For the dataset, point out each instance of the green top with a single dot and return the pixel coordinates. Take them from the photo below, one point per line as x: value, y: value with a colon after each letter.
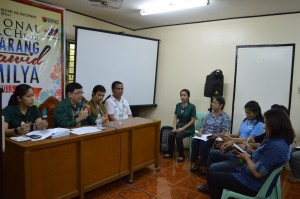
x: 184, y: 115
x: 14, y: 117
x: 94, y: 111
x: 65, y: 114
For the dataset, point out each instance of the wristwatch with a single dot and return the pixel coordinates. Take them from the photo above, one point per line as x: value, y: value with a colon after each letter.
x: 16, y: 131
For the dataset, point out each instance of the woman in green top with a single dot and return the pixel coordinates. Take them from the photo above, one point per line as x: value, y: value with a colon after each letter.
x: 95, y: 103
x: 183, y: 125
x: 20, y: 114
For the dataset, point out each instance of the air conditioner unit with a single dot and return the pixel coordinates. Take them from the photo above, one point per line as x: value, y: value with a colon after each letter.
x: 114, y: 4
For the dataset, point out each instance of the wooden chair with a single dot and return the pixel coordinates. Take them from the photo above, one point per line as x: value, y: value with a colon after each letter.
x: 49, y: 105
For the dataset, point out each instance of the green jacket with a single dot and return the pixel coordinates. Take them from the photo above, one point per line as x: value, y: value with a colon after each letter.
x: 65, y: 114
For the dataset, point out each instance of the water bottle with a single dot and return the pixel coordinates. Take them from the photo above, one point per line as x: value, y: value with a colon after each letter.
x: 121, y: 118
x: 98, y: 122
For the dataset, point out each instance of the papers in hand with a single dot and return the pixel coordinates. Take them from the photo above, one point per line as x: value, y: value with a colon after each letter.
x: 85, y: 130
x: 204, y: 137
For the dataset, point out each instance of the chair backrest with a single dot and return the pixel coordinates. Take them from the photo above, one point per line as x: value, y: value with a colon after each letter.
x: 200, y: 119
x: 266, y: 190
x: 49, y: 105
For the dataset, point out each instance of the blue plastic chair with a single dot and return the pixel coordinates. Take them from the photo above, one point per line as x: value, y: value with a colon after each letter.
x: 263, y: 192
x: 200, y: 118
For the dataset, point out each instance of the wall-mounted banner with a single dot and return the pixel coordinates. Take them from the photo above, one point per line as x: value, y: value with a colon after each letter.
x: 32, y: 44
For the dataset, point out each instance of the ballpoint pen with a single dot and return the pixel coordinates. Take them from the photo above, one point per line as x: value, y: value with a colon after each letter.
x: 248, y: 139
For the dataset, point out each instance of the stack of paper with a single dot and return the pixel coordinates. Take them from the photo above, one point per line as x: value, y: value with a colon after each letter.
x: 85, y: 130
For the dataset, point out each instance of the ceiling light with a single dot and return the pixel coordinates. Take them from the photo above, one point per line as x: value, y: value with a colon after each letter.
x: 172, y: 6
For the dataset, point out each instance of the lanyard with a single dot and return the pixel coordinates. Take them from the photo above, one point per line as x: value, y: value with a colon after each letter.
x: 121, y: 110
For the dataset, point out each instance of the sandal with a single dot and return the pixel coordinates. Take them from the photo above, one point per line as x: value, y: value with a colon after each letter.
x: 203, y: 188
x: 180, y: 159
x: 294, y: 180
x: 167, y: 156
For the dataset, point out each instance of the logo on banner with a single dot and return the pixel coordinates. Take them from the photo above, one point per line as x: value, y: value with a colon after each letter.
x: 49, y: 20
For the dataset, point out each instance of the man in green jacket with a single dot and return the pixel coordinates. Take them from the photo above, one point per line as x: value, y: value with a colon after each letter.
x: 72, y: 111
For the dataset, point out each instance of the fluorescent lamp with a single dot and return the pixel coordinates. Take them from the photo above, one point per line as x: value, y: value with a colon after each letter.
x: 173, y: 6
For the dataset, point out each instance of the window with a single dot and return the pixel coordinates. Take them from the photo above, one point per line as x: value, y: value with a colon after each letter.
x: 70, y: 62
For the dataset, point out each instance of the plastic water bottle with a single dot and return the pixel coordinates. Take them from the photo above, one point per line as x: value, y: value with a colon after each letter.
x: 121, y: 118
x: 98, y: 122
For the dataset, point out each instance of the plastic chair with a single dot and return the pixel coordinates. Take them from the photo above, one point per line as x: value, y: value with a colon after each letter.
x: 264, y: 190
x: 200, y: 118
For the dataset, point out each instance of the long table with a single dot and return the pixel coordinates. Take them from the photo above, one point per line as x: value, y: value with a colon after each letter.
x: 69, y: 166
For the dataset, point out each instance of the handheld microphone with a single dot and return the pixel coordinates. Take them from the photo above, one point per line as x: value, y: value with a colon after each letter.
x: 44, y: 114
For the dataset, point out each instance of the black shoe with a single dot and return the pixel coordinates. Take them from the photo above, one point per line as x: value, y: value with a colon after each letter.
x: 193, y: 170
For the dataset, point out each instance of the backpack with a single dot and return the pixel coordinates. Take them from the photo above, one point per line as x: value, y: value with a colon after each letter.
x: 164, y: 135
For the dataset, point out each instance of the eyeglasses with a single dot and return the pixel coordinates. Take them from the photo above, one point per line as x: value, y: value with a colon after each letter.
x: 79, y: 93
x: 215, y: 103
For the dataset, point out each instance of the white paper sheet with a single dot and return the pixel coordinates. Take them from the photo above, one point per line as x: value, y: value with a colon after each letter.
x: 20, y: 138
x: 85, y: 130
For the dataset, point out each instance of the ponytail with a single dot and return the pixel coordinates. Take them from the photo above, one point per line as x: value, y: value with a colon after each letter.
x: 20, y: 91
x: 13, y: 100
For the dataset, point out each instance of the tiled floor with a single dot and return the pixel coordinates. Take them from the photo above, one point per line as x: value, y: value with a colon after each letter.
x: 173, y: 181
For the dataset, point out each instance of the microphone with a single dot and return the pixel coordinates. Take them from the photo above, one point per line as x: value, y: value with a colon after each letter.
x: 87, y: 107
x: 44, y: 114
x: 103, y: 102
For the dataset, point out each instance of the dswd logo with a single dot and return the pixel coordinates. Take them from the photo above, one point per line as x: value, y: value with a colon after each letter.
x: 46, y: 19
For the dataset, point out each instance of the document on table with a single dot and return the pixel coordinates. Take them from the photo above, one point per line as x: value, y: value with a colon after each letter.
x: 204, y: 137
x: 85, y: 130
x: 47, y: 133
x: 20, y: 138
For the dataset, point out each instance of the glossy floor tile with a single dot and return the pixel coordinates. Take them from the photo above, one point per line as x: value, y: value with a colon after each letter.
x: 173, y: 181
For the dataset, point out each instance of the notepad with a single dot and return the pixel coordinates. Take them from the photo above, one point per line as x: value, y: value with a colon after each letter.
x: 204, y: 137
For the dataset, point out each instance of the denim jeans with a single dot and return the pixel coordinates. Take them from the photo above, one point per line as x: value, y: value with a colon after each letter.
x: 222, y: 162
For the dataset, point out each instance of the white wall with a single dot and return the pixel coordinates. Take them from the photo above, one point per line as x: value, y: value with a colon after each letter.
x: 190, y: 52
